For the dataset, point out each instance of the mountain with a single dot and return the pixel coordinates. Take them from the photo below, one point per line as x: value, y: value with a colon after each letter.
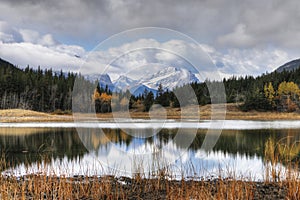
x: 169, y: 77
x: 290, y: 66
x: 104, y: 79
x: 123, y: 82
x: 139, y: 90
x: 8, y: 66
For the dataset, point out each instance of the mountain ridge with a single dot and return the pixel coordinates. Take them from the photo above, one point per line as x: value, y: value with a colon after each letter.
x: 289, y: 66
x: 170, y: 77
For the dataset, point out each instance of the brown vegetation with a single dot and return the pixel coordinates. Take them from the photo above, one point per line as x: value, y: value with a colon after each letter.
x: 42, y: 186
x: 232, y: 112
x: 20, y: 115
x: 52, y: 187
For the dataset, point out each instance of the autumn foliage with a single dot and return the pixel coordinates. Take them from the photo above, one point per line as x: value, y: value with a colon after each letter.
x: 102, y: 101
x: 286, y: 98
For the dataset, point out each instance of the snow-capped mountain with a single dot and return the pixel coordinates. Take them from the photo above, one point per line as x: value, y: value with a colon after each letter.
x: 140, y: 89
x: 169, y: 77
x: 104, y: 79
x: 123, y: 82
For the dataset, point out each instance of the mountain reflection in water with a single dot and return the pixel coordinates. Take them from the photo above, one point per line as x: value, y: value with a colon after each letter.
x: 240, y: 150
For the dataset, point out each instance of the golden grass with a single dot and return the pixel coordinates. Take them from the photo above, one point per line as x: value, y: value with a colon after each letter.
x: 52, y: 187
x: 42, y: 186
x: 19, y: 115
x: 232, y: 112
x: 22, y: 131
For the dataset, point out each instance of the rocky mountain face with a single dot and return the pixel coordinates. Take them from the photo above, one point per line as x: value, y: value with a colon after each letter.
x: 169, y: 77
x: 290, y: 66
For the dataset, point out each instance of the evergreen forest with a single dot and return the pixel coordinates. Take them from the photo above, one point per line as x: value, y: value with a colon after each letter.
x: 50, y: 91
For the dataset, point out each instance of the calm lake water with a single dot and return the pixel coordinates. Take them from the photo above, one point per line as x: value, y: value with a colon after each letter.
x: 63, y: 151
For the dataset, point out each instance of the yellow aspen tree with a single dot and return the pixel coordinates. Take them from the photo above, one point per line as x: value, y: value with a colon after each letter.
x: 269, y: 92
x: 288, y: 88
x: 289, y: 95
x: 96, y: 95
x: 105, y: 97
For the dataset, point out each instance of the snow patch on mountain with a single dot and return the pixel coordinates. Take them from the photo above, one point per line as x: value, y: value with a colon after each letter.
x: 169, y: 77
x: 140, y: 89
x: 124, y: 82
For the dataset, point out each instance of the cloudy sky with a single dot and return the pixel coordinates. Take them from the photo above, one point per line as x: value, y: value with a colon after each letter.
x: 241, y: 37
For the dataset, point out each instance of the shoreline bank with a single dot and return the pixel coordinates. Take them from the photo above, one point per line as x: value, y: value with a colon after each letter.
x: 110, y: 187
x: 232, y: 112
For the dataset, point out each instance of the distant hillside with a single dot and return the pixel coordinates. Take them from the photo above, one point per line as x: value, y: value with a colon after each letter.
x: 290, y: 66
x: 8, y: 66
x: 39, y: 90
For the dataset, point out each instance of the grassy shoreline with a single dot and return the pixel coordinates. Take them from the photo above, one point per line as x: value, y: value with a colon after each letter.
x: 109, y: 187
x: 232, y: 113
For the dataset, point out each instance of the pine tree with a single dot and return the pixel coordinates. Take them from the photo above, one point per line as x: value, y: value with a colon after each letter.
x: 148, y: 101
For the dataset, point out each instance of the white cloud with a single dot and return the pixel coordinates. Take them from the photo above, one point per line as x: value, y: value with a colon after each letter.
x: 47, y: 40
x: 23, y: 54
x: 72, y: 50
x: 250, y: 61
x: 239, y: 37
x: 165, y: 56
x: 6, y: 37
x: 137, y: 57
x: 27, y: 47
x: 35, y: 38
x: 243, y: 37
x: 8, y: 33
x: 207, y: 48
x: 30, y: 35
x: 225, y: 23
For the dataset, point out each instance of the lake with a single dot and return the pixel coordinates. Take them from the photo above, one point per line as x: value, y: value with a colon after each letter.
x: 92, y: 148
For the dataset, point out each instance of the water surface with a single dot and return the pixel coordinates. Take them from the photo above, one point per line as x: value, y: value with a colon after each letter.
x: 62, y: 151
